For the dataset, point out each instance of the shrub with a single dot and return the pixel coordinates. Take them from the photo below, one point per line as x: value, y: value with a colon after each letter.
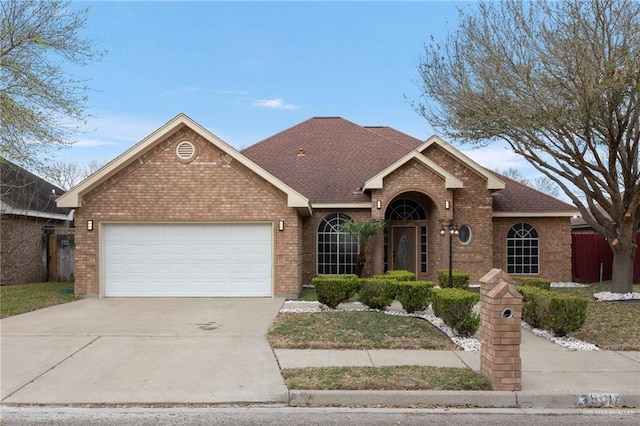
x: 558, y: 313
x: 401, y: 275
x: 455, y: 307
x: 414, y: 295
x: 459, y: 279
x: 567, y: 313
x: 335, y: 289
x: 376, y: 293
x: 542, y: 283
x: 535, y: 305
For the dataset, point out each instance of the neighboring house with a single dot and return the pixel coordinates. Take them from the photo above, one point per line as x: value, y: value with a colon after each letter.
x: 592, y: 258
x: 29, y: 223
x: 184, y: 214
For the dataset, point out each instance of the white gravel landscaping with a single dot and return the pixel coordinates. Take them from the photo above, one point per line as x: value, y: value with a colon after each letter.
x: 470, y: 343
x: 567, y: 342
x: 607, y: 296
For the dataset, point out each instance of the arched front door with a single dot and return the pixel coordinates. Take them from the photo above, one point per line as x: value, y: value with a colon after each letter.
x: 406, y: 236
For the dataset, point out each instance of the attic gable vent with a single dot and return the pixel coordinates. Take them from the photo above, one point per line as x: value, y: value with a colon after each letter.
x: 186, y: 151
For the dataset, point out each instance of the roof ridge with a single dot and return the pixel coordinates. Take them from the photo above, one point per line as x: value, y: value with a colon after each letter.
x: 369, y: 128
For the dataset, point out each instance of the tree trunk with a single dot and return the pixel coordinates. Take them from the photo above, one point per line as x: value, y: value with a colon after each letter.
x: 624, y: 250
x: 360, y: 265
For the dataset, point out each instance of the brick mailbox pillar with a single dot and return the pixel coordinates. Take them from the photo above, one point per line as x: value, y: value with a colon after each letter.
x: 500, y: 332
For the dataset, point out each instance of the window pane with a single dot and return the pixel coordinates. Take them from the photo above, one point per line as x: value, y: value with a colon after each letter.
x: 522, y: 249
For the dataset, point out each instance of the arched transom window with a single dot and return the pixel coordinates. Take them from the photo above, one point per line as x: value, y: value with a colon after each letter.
x: 337, y: 250
x: 523, y: 253
x: 404, y: 209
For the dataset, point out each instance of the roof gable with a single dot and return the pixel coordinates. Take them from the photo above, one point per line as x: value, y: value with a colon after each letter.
x: 493, y: 182
x: 24, y: 193
x: 73, y: 198
x: 377, y: 182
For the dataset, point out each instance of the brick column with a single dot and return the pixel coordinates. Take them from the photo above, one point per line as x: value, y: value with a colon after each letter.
x: 500, y: 331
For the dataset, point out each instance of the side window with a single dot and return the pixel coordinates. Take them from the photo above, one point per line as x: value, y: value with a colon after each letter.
x: 523, y: 249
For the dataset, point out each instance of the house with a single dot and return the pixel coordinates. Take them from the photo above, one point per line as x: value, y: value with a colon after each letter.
x: 29, y: 222
x: 183, y: 214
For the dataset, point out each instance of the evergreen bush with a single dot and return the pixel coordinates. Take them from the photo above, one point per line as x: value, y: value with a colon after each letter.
x: 414, y: 295
x: 455, y: 307
x: 459, y: 279
x: 376, y: 292
x: 335, y: 289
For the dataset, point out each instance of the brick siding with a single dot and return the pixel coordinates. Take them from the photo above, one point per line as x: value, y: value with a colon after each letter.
x: 158, y: 187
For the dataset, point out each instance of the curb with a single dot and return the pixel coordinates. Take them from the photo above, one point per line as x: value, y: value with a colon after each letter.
x: 482, y: 399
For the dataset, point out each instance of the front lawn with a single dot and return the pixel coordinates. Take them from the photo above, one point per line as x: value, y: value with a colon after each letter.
x: 355, y: 330
x: 20, y: 298
x: 385, y: 378
x: 609, y: 325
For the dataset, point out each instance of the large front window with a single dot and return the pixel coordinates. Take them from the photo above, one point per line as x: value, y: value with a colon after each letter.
x: 522, y: 249
x: 337, y: 250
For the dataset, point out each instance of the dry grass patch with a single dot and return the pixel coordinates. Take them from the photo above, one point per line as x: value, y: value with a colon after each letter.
x: 384, y: 378
x: 612, y: 325
x: 355, y: 330
x: 609, y: 325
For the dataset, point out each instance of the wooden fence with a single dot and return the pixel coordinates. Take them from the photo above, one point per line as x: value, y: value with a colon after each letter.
x: 591, y: 255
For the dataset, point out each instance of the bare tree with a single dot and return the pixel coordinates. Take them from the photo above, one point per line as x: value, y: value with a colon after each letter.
x: 67, y: 174
x: 559, y: 82
x: 540, y: 183
x: 41, y: 103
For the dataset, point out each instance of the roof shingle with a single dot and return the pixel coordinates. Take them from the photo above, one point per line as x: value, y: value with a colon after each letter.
x: 339, y: 156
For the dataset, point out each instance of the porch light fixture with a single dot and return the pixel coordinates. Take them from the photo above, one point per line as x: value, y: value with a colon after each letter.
x: 447, y: 205
x: 90, y: 225
x: 452, y: 230
x: 281, y: 225
x: 379, y: 204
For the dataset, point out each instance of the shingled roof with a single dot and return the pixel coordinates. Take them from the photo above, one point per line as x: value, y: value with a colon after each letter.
x: 519, y: 198
x: 24, y: 193
x: 328, y: 159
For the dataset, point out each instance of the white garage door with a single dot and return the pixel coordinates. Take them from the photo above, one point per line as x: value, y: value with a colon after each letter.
x: 187, y: 260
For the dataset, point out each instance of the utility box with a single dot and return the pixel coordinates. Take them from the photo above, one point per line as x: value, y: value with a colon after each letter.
x: 500, y: 331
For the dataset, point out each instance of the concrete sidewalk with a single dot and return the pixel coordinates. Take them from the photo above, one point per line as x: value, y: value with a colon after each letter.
x: 552, y: 376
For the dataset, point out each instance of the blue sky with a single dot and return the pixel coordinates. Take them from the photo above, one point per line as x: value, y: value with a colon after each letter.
x: 247, y: 70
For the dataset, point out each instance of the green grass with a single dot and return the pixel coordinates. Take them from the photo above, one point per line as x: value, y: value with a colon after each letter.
x: 384, y: 378
x: 355, y: 330
x: 20, y: 298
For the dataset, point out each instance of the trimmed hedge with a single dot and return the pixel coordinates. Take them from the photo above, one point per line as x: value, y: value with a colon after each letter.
x: 335, y: 289
x: 542, y: 283
x: 455, y: 307
x: 459, y: 279
x: 376, y: 293
x: 401, y: 275
x: 559, y: 313
x: 534, y: 305
x: 414, y: 295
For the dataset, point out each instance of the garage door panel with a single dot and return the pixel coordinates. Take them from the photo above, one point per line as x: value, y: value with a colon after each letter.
x: 187, y: 260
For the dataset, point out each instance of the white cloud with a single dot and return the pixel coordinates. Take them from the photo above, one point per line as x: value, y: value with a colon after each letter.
x: 92, y: 143
x: 277, y: 103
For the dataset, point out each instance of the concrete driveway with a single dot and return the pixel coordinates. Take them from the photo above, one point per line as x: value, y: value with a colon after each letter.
x: 142, y: 351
